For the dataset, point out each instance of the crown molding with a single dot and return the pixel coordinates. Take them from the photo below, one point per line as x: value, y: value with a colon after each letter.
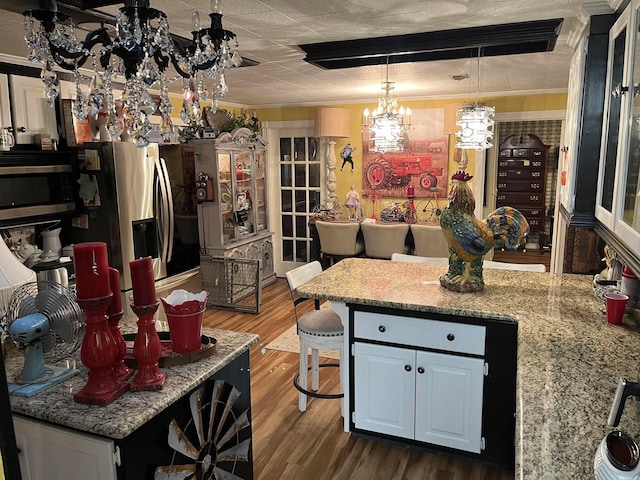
x: 585, y: 12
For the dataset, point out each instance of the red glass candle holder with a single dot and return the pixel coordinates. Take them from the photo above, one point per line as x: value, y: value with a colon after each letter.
x: 98, y: 353
x: 146, y: 350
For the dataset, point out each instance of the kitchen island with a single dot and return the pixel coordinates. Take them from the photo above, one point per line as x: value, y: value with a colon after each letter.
x: 135, y: 427
x: 569, y: 359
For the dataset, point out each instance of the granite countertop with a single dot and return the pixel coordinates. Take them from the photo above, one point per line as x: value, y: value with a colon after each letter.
x: 132, y: 410
x: 569, y: 358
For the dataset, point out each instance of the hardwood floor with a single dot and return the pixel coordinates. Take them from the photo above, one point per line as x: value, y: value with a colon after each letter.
x: 288, y: 444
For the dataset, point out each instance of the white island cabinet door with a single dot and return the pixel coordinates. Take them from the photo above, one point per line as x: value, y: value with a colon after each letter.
x: 449, y: 400
x: 384, y: 389
x: 48, y: 452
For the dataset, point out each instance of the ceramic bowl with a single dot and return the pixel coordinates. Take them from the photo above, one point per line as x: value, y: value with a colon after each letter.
x: 182, y: 302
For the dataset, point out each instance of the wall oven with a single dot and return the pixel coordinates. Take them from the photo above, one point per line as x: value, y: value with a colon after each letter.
x: 37, y: 186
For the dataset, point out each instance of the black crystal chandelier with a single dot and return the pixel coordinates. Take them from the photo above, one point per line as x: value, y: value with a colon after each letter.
x: 140, y: 52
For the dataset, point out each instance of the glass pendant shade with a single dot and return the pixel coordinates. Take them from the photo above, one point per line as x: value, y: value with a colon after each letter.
x: 476, y: 127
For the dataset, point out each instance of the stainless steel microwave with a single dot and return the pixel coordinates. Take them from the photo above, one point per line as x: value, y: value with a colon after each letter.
x: 37, y: 186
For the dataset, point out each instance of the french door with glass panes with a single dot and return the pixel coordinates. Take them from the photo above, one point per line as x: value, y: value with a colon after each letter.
x: 300, y: 179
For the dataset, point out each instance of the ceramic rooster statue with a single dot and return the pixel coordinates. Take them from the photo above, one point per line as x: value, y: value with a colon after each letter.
x: 470, y: 239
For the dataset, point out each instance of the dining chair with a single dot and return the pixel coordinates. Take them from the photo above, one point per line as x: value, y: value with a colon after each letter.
x: 319, y: 329
x: 526, y: 267
x: 338, y: 240
x: 429, y: 241
x: 381, y: 240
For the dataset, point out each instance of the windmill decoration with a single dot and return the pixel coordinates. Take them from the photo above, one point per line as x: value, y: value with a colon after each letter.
x: 210, y: 441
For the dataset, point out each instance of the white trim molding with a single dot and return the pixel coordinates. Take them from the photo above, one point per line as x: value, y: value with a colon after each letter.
x: 532, y: 115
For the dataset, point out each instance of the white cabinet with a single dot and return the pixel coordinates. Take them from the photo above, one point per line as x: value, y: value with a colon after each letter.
x: 618, y: 195
x: 5, y: 107
x: 48, y: 452
x: 384, y: 390
x: 427, y: 396
x: 232, y: 213
x: 449, y: 392
x: 30, y: 109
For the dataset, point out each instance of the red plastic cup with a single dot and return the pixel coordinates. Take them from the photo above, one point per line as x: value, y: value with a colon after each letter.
x: 616, y: 304
x: 185, y: 331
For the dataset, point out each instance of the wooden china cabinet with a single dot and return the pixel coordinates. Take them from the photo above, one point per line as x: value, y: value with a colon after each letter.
x: 232, y: 209
x: 522, y: 173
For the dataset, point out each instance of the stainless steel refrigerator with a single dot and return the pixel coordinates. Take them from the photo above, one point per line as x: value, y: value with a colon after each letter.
x: 132, y: 211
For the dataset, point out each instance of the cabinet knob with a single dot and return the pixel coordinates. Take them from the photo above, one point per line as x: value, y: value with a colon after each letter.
x: 382, y: 329
x: 619, y: 90
x: 451, y: 337
x: 420, y: 369
x: 407, y: 368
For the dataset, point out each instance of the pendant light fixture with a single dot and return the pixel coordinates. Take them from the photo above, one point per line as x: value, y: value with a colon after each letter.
x: 387, y: 122
x: 475, y: 122
x: 140, y: 52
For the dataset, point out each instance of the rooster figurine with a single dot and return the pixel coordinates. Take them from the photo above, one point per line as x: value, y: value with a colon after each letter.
x: 470, y: 239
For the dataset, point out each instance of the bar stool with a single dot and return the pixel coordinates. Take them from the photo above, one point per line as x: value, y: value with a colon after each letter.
x: 526, y: 267
x: 401, y: 257
x: 320, y: 329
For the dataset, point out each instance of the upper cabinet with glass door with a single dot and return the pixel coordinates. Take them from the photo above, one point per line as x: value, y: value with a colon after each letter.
x: 618, y: 206
x: 614, y: 112
x: 627, y: 218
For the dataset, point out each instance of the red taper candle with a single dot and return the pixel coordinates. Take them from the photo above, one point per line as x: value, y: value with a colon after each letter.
x: 116, y: 301
x: 91, y: 266
x: 143, y: 281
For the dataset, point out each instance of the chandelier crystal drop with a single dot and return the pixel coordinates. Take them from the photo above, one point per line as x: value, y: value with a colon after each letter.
x: 387, y: 122
x: 140, y: 52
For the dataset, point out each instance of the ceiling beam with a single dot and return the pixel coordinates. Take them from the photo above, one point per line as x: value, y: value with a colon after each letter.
x: 505, y: 39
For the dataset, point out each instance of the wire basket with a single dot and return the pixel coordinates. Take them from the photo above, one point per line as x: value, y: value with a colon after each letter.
x: 232, y: 283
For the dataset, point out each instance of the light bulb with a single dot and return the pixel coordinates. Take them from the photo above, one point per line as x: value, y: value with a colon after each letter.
x: 215, y: 6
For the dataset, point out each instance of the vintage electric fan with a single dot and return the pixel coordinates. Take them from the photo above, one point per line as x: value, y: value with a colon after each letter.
x: 47, y: 324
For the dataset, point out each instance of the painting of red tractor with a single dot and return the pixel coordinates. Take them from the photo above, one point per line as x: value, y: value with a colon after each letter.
x: 419, y: 172
x: 424, y: 165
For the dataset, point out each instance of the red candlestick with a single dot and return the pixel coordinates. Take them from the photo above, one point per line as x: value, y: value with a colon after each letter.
x: 143, y: 281
x: 92, y: 270
x: 146, y: 350
x: 114, y: 314
x: 116, y: 301
x: 98, y: 354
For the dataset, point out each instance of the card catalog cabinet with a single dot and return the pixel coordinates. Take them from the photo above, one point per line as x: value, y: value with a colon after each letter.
x: 522, y: 172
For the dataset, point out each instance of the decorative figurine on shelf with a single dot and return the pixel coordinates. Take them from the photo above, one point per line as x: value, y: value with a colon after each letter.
x: 353, y: 204
x: 470, y: 239
x: 346, y: 156
x: 353, y: 198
